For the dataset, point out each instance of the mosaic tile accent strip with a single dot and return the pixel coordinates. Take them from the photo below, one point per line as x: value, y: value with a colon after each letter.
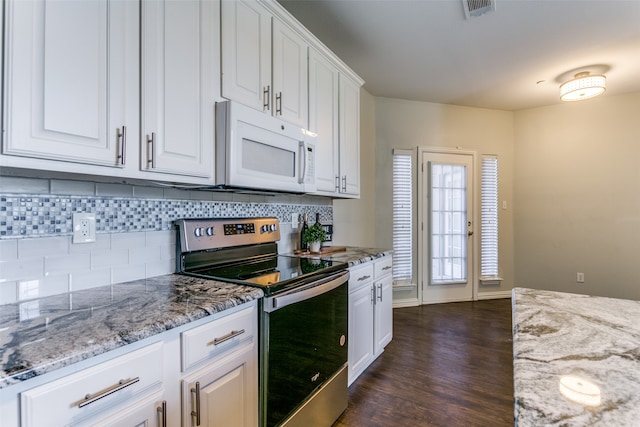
x: 50, y: 215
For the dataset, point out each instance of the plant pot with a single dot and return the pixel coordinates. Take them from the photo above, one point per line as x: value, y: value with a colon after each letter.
x: 314, y: 246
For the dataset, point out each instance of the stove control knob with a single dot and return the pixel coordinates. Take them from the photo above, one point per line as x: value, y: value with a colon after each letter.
x: 198, y: 231
x: 273, y: 227
x: 210, y: 231
x: 264, y: 228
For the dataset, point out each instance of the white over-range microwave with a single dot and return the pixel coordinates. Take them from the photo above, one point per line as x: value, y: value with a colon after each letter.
x: 260, y: 152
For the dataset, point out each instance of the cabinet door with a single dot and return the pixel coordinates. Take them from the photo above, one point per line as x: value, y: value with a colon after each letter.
x: 290, y: 98
x: 246, y: 53
x: 383, y: 319
x: 360, y: 331
x: 349, y: 138
x: 147, y: 412
x: 178, y: 48
x: 323, y: 120
x: 71, y: 67
x: 224, y: 394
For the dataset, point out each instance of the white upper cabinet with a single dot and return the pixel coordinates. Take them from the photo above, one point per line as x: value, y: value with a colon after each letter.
x: 178, y: 92
x: 70, y: 66
x: 323, y: 120
x: 76, y: 95
x: 290, y: 98
x: 255, y: 42
x: 349, y: 138
x: 334, y: 114
x: 246, y: 53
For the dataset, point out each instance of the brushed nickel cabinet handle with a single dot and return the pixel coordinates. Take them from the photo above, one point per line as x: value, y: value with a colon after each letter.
x: 90, y: 398
x: 151, y: 150
x: 344, y: 183
x: 162, y: 413
x: 363, y: 277
x: 227, y: 337
x: 373, y: 295
x: 387, y: 267
x: 337, y: 183
x: 379, y: 291
x: 279, y: 103
x: 122, y: 140
x: 196, y: 413
x: 265, y: 98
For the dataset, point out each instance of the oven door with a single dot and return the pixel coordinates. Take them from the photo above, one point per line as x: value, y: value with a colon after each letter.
x: 304, y: 344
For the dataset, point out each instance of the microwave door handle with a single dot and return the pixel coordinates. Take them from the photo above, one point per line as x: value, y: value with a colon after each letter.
x: 303, y: 161
x: 277, y: 302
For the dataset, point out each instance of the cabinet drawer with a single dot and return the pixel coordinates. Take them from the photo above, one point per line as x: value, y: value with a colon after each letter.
x: 360, y: 276
x: 72, y: 399
x: 224, y: 334
x: 383, y: 267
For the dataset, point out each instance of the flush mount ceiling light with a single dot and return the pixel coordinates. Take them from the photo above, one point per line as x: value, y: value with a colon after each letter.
x: 583, y: 86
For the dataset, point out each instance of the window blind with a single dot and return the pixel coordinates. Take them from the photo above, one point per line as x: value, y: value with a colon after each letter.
x: 402, y: 217
x: 489, y: 217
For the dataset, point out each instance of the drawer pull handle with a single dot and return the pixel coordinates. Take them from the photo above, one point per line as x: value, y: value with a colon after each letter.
x: 363, y: 277
x: 386, y: 268
x: 227, y: 337
x: 196, y: 412
x: 90, y: 398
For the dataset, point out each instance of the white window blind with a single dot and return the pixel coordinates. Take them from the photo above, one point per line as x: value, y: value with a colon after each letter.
x: 402, y: 217
x: 489, y: 220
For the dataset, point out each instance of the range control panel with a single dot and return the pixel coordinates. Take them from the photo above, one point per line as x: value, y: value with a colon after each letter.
x: 202, y: 234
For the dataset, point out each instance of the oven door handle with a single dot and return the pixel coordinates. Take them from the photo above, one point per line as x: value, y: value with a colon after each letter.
x: 312, y: 290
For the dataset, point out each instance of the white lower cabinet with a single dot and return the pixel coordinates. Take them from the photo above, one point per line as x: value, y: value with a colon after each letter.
x: 223, y: 391
x: 150, y: 411
x: 370, y: 313
x: 204, y: 373
x: 91, y: 396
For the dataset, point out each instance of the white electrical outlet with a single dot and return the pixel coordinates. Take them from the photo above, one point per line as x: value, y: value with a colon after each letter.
x: 294, y: 220
x: 84, y: 227
x: 580, y: 277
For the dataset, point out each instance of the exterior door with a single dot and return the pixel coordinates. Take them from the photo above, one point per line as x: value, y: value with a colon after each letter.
x: 447, y: 227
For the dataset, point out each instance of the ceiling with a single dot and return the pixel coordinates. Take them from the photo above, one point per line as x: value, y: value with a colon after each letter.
x: 510, y: 59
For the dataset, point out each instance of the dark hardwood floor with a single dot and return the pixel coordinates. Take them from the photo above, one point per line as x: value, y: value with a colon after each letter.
x: 448, y: 365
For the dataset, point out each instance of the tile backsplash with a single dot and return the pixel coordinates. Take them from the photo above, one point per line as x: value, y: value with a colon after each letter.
x: 135, y: 236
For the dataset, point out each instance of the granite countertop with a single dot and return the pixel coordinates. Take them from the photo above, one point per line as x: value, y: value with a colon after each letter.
x: 353, y: 255
x: 571, y: 348
x: 45, y: 334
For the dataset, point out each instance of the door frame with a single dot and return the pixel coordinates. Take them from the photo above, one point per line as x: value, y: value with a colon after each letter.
x: 473, y: 244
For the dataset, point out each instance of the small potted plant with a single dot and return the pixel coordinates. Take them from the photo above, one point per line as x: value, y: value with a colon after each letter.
x: 314, y: 236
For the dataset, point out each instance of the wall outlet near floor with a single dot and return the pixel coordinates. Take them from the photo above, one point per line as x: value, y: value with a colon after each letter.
x: 84, y: 227
x: 580, y: 277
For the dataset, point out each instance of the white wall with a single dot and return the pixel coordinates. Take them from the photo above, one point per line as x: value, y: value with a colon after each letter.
x: 354, y: 220
x: 408, y: 124
x: 577, y: 197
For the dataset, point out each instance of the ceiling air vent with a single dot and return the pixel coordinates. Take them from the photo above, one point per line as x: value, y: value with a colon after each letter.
x: 474, y: 8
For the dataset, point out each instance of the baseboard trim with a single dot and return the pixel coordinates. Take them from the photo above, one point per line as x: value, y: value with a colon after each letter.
x: 494, y: 295
x: 412, y: 302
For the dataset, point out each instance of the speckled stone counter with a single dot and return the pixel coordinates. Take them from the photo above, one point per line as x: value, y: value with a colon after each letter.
x: 576, y: 359
x: 42, y: 335
x: 354, y: 256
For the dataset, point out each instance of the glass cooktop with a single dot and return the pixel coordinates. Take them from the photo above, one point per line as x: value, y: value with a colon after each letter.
x: 272, y: 273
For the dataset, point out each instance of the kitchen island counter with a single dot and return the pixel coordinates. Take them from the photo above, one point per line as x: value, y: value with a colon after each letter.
x: 41, y: 335
x: 576, y: 359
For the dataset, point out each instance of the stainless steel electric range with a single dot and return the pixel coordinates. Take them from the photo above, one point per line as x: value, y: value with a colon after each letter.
x: 303, y: 316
